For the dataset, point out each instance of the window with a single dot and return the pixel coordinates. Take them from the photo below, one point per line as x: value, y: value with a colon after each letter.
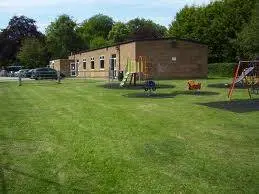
x: 101, y: 62
x: 84, y: 63
x: 92, y: 62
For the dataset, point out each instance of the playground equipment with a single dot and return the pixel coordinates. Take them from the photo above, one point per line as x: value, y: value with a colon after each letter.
x: 246, y: 73
x: 149, y: 87
x: 140, y: 69
x: 192, y: 85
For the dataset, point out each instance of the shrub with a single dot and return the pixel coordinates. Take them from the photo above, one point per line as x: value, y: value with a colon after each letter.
x: 221, y: 69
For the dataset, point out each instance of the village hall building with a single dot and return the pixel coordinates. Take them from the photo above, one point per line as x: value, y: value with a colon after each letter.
x: 169, y: 57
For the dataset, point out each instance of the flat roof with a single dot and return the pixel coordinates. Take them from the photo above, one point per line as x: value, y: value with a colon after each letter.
x: 140, y: 40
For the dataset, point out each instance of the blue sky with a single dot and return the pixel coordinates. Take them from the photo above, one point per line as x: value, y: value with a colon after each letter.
x: 45, y: 11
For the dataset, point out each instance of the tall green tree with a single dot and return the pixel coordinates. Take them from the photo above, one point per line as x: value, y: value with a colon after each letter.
x: 119, y: 33
x: 98, y: 42
x: 248, y: 39
x: 216, y: 24
x: 33, y: 53
x: 137, y: 28
x: 19, y: 28
x: 61, y: 37
x: 140, y: 29
x: 95, y: 27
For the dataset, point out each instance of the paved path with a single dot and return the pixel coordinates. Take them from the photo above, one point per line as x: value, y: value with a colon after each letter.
x: 6, y: 79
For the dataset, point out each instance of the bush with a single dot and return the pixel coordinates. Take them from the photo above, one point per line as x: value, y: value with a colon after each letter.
x: 221, y: 69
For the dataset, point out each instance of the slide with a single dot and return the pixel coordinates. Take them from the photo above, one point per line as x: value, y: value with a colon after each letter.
x: 123, y: 82
x: 244, y: 74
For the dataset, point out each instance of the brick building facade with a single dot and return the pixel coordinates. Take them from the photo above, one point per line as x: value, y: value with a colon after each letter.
x: 170, y: 58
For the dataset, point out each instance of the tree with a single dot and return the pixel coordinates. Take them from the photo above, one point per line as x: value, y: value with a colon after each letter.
x: 248, y: 39
x: 216, y: 24
x: 141, y: 29
x: 98, y: 42
x: 96, y: 26
x: 19, y: 28
x: 184, y: 24
x: 33, y: 53
x: 119, y: 33
x: 62, y: 37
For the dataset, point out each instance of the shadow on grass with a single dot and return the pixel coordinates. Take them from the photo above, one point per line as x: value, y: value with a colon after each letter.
x: 226, y: 85
x: 164, y: 152
x: 56, y: 184
x: 54, y: 82
x: 169, y: 95
x: 3, y: 181
x: 132, y: 87
x: 237, y: 106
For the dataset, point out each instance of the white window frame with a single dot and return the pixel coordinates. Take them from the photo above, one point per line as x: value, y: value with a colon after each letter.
x: 101, y: 58
x: 84, y: 63
x: 92, y: 59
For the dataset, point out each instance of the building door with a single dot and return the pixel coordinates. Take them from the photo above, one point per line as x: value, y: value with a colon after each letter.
x: 73, y: 69
x: 113, y: 67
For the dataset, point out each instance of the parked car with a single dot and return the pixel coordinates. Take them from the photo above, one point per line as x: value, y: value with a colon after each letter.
x: 28, y: 73
x: 21, y: 72
x: 44, y: 73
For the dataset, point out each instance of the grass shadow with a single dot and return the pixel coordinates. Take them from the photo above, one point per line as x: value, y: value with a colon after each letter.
x: 169, y: 95
x: 164, y: 152
x: 237, y: 106
x: 226, y: 85
x: 133, y: 87
x: 196, y: 93
x: 55, y: 82
x: 152, y: 95
x: 56, y: 184
x: 4, y: 189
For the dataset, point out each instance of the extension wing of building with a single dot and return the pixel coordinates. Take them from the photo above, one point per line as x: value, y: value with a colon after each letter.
x: 168, y: 58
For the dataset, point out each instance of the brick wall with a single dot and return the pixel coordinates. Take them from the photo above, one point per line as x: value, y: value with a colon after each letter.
x: 189, y: 59
x: 62, y: 65
x: 122, y: 52
x: 169, y: 59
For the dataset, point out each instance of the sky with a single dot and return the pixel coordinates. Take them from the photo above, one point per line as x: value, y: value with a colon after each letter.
x: 46, y: 11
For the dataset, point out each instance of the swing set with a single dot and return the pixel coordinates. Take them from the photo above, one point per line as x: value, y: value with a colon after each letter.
x: 246, y: 73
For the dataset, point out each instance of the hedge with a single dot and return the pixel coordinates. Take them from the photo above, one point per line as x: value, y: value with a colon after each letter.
x: 221, y: 69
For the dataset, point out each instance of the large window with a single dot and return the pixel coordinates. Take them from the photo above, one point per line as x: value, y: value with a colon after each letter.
x: 92, y: 62
x: 84, y: 63
x: 101, y: 62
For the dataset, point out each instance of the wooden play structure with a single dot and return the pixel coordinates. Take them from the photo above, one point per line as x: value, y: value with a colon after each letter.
x: 137, y: 70
x: 247, y: 74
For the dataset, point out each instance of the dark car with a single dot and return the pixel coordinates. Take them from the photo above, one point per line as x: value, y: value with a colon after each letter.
x: 44, y: 73
x: 28, y: 73
x: 12, y: 69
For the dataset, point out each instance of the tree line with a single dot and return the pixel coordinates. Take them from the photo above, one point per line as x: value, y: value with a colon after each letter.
x: 228, y: 27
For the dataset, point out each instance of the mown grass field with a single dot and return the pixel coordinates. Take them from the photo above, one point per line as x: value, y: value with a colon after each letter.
x: 84, y: 138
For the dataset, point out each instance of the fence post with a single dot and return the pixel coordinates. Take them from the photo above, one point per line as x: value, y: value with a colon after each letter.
x: 20, y: 79
x: 58, y: 77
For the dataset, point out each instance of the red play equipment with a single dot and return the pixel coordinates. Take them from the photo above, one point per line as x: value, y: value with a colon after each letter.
x: 192, y: 85
x: 247, y: 73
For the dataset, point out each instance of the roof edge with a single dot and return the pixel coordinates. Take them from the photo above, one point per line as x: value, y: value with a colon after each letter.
x: 140, y: 40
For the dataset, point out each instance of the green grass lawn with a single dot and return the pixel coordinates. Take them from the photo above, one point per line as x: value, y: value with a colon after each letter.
x: 84, y: 138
